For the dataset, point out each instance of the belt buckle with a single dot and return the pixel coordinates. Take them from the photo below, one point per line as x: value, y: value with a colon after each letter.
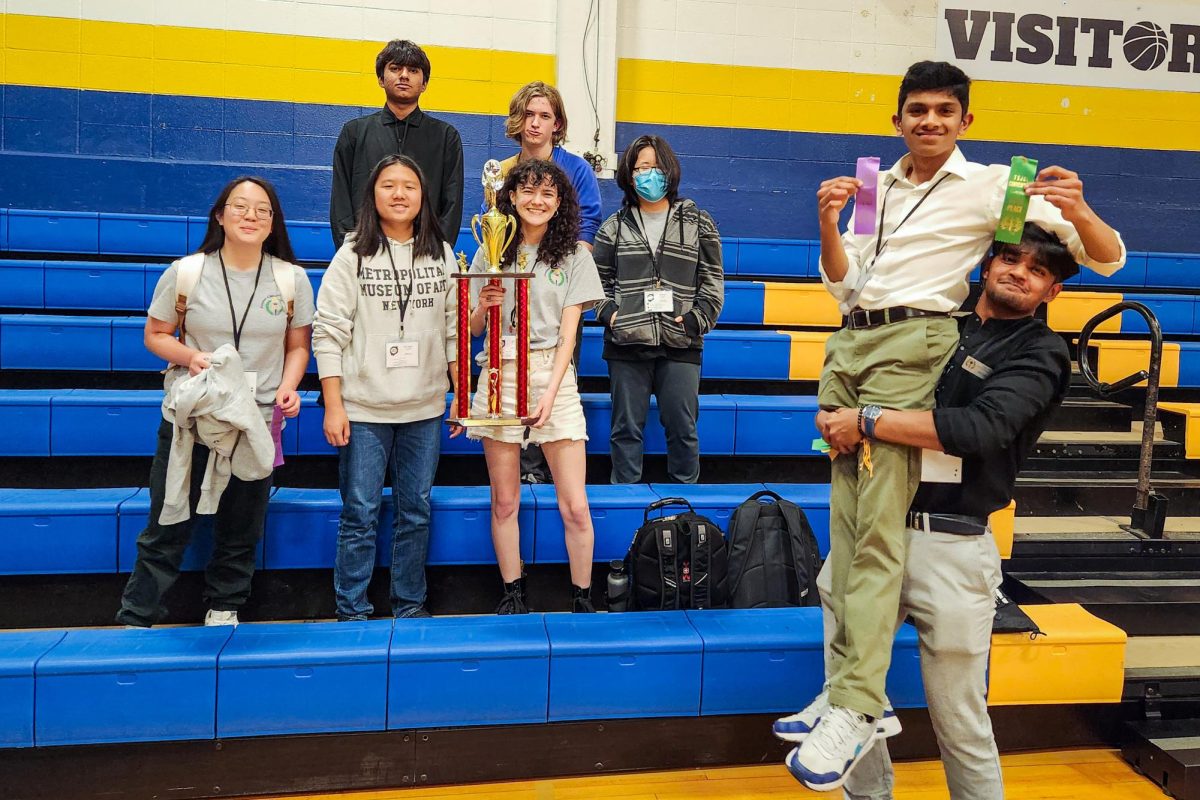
x: 859, y: 318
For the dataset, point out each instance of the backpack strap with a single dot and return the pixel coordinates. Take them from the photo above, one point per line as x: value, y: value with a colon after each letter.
x: 741, y: 533
x: 658, y: 505
x: 701, y: 561
x: 668, y: 545
x: 187, y: 275
x: 802, y: 540
x: 285, y: 280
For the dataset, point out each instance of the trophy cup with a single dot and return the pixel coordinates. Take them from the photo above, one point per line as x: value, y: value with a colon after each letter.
x: 493, y: 231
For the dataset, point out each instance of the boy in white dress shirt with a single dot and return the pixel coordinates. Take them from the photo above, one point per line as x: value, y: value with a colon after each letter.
x: 937, y: 215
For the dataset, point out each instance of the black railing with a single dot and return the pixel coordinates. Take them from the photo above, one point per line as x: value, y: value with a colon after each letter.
x: 1149, y: 514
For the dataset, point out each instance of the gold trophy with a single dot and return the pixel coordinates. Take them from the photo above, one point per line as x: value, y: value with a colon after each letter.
x: 494, y: 232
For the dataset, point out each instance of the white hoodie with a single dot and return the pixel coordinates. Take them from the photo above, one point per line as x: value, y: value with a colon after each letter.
x: 359, y: 317
x: 216, y: 407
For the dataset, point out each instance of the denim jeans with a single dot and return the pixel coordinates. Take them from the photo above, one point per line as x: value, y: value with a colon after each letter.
x: 238, y: 525
x: 411, y: 449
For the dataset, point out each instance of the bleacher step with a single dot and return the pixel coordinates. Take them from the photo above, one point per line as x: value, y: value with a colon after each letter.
x: 1089, y: 414
x: 1070, y: 491
x: 1141, y: 602
x: 1167, y: 751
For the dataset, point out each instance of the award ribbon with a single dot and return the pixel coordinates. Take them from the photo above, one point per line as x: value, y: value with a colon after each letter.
x: 867, y: 171
x: 1016, y: 202
x: 277, y: 434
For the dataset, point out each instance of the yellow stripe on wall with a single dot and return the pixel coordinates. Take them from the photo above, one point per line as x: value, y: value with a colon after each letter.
x: 129, y: 57
x: 664, y: 92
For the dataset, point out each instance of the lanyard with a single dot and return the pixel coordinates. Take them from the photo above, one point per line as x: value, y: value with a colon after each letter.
x: 237, y: 329
x: 881, y: 243
x: 655, y: 253
x: 401, y: 301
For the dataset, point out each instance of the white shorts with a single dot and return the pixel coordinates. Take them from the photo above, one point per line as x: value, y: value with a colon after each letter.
x: 566, y: 419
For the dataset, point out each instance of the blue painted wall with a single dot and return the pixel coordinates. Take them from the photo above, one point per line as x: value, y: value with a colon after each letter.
x: 68, y: 149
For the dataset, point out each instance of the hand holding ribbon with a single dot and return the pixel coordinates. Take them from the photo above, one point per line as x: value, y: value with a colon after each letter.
x: 1062, y: 189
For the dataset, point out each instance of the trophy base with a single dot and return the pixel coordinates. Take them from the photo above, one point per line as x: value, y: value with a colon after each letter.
x: 487, y: 422
x: 487, y: 276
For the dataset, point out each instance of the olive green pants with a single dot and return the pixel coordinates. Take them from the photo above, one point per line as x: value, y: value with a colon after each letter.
x: 894, y: 366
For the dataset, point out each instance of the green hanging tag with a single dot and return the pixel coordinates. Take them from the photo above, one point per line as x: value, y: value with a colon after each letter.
x: 1016, y: 202
x: 820, y: 445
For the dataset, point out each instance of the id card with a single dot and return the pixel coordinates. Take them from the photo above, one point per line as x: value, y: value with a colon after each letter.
x: 976, y: 367
x: 660, y: 301
x: 402, y: 354
x: 508, y: 347
x: 939, y: 467
x: 252, y: 381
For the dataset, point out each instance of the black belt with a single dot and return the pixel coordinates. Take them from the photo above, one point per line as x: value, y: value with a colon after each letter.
x: 947, y: 523
x: 861, y: 318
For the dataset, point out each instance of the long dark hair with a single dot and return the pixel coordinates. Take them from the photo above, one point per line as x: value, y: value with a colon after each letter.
x: 562, y: 233
x: 369, y: 237
x: 276, y: 244
x: 667, y: 162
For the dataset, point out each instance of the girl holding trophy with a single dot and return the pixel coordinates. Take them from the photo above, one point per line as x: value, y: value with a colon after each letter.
x: 563, y: 283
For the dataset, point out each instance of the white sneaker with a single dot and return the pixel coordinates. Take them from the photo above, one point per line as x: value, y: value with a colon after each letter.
x: 214, y: 617
x: 834, y: 747
x: 795, y: 727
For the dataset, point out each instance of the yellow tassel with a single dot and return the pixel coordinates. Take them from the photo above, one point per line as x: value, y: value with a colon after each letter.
x: 866, y: 459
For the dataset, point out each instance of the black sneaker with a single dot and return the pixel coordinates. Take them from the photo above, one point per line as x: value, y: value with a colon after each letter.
x: 513, y: 601
x: 581, y: 600
x: 418, y: 612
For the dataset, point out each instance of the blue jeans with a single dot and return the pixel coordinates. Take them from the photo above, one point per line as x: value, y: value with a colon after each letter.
x: 412, y: 450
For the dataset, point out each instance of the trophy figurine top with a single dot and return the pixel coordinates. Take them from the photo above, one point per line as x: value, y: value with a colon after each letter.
x: 494, y: 230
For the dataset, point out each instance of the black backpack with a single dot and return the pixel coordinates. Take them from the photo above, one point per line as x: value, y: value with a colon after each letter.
x: 676, y: 561
x: 773, y: 555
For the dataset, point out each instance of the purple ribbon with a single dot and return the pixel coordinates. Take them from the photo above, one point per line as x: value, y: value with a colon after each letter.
x: 277, y: 434
x: 864, y: 202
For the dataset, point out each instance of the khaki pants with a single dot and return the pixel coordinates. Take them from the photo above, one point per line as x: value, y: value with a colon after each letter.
x: 894, y: 366
x: 948, y: 589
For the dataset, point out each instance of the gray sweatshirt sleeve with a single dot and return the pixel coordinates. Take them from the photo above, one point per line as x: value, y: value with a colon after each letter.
x: 337, y: 302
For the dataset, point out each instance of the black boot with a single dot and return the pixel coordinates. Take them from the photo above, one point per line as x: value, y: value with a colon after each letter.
x: 513, y: 601
x: 581, y: 600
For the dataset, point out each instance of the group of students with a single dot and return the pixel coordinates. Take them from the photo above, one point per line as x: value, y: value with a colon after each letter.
x: 384, y: 333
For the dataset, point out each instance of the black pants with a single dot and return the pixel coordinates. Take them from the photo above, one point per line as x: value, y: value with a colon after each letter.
x: 237, y: 527
x: 676, y: 384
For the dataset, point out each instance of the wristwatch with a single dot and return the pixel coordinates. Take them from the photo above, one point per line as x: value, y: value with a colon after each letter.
x: 867, y: 417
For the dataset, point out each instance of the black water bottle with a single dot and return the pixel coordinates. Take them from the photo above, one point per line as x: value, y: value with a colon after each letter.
x: 618, y: 587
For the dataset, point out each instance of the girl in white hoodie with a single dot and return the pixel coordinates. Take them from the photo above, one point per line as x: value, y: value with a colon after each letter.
x: 385, y: 341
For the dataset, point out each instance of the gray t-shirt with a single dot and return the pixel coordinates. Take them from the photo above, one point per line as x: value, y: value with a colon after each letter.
x: 654, y: 223
x: 210, y: 325
x: 576, y: 282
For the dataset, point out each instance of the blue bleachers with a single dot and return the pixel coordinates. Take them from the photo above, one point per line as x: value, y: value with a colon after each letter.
x: 66, y: 531
x: 100, y: 686
x: 96, y: 422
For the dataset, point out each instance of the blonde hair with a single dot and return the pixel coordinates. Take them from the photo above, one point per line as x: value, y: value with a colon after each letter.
x: 520, y: 101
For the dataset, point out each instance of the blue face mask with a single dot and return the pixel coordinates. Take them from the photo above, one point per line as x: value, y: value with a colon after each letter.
x: 650, y: 185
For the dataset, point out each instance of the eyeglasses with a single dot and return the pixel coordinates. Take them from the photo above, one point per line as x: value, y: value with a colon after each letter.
x: 243, y: 210
x: 643, y: 170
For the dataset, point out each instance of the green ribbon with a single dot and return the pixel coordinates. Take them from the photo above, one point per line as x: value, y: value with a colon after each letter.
x: 821, y: 446
x: 1016, y: 202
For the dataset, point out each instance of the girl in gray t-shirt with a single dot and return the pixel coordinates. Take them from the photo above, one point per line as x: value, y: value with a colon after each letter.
x: 564, y: 285
x: 235, y: 301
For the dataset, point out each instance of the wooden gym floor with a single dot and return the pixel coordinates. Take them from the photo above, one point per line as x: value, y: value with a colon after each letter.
x: 1054, y: 775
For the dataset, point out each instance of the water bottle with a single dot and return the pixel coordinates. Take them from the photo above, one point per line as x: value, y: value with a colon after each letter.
x: 618, y: 587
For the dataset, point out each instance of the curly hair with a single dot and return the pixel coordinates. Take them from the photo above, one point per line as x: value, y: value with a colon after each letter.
x: 562, y: 233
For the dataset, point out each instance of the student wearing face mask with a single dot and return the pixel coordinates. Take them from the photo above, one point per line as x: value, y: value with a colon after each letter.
x: 659, y: 259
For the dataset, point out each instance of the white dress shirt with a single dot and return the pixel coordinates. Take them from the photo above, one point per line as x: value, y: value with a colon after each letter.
x: 927, y: 262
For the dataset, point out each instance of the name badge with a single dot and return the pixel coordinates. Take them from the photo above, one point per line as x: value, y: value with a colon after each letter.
x: 977, y: 367
x: 938, y: 467
x: 660, y: 301
x: 508, y: 347
x: 402, y: 355
x: 252, y: 381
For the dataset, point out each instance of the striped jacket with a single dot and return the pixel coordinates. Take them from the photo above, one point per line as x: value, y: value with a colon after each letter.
x: 688, y: 263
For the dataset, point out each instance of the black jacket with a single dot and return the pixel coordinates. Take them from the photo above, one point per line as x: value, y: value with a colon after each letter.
x: 433, y: 144
x: 688, y: 262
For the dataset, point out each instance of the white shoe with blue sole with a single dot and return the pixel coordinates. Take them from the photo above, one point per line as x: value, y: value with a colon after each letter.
x: 834, y: 747
x: 795, y: 727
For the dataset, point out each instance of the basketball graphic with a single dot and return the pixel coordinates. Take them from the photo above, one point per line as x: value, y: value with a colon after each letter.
x: 1145, y: 46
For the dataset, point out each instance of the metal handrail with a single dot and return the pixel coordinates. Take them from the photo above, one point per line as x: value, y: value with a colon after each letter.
x: 1149, y: 509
